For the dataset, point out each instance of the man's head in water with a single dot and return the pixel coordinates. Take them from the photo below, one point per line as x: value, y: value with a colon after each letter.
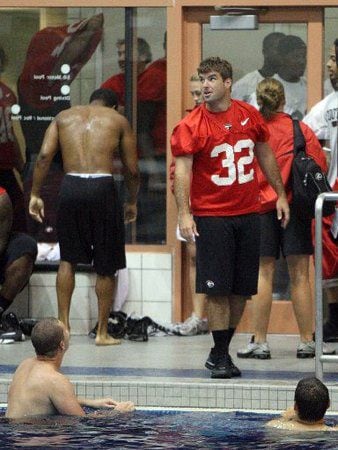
x: 311, y: 400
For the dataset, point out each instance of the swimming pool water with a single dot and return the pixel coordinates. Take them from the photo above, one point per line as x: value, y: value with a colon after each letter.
x: 159, y: 430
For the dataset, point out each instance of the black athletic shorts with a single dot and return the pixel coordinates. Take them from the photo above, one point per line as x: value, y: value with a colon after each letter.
x: 227, y: 255
x: 295, y: 239
x: 90, y: 223
x: 19, y: 244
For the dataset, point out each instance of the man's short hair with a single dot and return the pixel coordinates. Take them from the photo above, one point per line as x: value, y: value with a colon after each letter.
x: 108, y: 97
x: 289, y: 43
x: 143, y: 49
x: 312, y: 399
x: 272, y: 38
x: 336, y: 49
x: 46, y: 336
x: 215, y: 64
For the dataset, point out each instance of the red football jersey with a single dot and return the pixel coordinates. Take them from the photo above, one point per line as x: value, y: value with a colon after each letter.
x: 7, y: 153
x: 116, y: 83
x: 281, y: 141
x: 151, y: 87
x: 224, y: 181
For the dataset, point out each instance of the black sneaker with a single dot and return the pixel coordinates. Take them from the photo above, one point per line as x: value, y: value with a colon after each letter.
x: 11, y: 331
x: 214, y: 357
x: 222, y: 368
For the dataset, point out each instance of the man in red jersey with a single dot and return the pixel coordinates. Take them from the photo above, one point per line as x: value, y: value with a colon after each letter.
x: 219, y: 142
x: 117, y: 82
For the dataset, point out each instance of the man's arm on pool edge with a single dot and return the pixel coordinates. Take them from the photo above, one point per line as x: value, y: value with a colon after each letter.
x: 65, y: 401
x: 107, y: 403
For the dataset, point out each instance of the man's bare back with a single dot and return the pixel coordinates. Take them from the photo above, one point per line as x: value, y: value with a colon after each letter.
x: 88, y: 137
x: 36, y: 384
x: 39, y: 389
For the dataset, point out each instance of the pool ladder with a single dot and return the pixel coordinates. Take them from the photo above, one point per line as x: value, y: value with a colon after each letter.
x: 320, y: 284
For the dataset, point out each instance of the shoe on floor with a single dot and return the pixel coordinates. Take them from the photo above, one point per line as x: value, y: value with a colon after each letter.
x: 222, y: 368
x: 11, y: 330
x: 191, y: 327
x: 214, y: 359
x: 308, y: 350
x: 255, y: 350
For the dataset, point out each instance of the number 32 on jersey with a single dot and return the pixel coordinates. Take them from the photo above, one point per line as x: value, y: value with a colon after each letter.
x: 236, y: 170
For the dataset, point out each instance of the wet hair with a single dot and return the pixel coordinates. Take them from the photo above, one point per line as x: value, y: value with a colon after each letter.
x: 143, y: 48
x: 289, y: 43
x: 312, y: 399
x: 108, y: 97
x: 216, y: 64
x: 270, y: 94
x: 46, y: 336
x: 3, y: 58
x: 271, y: 38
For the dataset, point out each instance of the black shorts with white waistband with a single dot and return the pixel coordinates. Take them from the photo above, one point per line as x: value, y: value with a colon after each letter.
x: 227, y: 255
x: 90, y: 223
x: 295, y: 239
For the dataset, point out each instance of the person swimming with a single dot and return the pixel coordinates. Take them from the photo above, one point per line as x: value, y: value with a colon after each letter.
x: 311, y: 403
x: 38, y: 388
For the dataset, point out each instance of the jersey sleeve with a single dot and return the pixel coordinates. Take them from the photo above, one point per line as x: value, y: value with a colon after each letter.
x: 182, y: 141
x: 151, y: 86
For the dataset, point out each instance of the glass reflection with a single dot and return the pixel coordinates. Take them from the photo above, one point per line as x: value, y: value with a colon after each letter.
x: 60, y: 64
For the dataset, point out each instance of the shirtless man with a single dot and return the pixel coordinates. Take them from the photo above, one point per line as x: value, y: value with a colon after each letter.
x: 90, y: 224
x: 39, y: 389
x: 311, y: 402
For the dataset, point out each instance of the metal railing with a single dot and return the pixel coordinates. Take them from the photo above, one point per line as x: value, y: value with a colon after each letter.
x: 320, y: 284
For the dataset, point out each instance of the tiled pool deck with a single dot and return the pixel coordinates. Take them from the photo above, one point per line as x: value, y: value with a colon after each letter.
x: 169, y: 372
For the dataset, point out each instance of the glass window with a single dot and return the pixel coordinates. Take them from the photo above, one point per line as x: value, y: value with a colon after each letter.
x: 263, y: 53
x: 60, y: 57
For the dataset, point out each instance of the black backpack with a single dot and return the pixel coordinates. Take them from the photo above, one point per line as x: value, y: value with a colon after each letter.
x: 307, y: 179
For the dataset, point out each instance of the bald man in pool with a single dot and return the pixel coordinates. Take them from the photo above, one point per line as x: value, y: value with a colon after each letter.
x: 90, y: 225
x: 311, y: 403
x: 39, y: 389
